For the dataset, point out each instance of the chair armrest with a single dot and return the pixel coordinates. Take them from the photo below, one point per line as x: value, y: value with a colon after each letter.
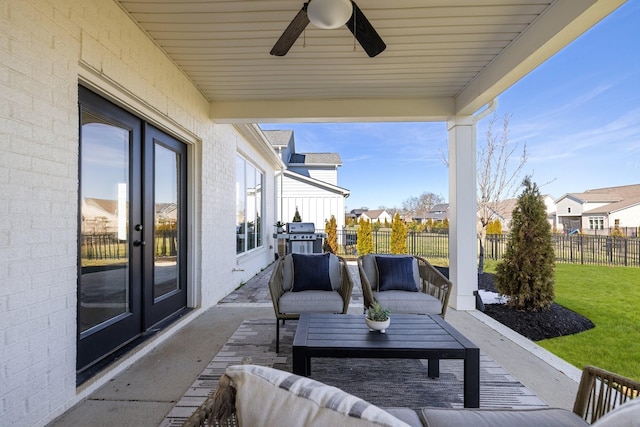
x: 602, y: 391
x: 346, y: 286
x: 276, y: 285
x: 367, y: 293
x: 434, y: 283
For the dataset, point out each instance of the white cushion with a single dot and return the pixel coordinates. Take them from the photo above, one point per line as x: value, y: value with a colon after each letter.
x: 270, y: 397
x: 403, y: 302
x: 311, y: 302
x: 626, y: 415
x: 335, y: 272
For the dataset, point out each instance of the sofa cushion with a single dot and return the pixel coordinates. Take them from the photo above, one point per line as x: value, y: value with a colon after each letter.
x: 371, y: 270
x: 270, y: 397
x: 548, y: 417
x: 311, y: 272
x: 396, y: 274
x: 626, y: 415
x: 311, y: 302
x: 335, y: 273
x: 406, y: 415
x: 403, y: 302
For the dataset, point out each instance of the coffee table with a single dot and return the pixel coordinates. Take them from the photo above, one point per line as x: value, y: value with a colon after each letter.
x: 408, y: 337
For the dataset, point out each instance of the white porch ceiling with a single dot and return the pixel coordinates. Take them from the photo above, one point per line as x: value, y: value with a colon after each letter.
x: 443, y: 57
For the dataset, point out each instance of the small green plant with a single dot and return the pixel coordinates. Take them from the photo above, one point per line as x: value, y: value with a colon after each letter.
x: 280, y: 224
x: 377, y: 313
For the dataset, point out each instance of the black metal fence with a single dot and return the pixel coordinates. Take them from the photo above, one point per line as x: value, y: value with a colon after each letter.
x: 107, y: 246
x: 578, y: 249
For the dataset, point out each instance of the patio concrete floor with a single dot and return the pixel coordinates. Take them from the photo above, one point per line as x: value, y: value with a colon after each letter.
x: 151, y: 381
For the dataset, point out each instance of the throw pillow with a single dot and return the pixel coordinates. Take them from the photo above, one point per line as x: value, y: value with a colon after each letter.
x: 270, y: 397
x: 311, y: 272
x: 395, y: 274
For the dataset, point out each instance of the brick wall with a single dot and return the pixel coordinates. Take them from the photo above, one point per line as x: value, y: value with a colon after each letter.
x: 46, y: 48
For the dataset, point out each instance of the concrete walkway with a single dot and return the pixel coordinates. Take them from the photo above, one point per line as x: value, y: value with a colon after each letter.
x: 145, y: 391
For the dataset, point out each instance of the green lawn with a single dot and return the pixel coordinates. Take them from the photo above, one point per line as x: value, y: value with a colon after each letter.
x: 610, y: 298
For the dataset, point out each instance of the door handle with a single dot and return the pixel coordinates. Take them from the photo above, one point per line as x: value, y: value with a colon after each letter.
x: 139, y: 243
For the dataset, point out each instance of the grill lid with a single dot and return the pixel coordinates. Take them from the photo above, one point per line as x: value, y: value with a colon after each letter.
x: 300, y: 227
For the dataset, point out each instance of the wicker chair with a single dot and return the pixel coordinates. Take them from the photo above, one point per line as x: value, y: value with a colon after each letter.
x: 280, y: 285
x: 599, y: 393
x: 602, y: 391
x: 432, y: 283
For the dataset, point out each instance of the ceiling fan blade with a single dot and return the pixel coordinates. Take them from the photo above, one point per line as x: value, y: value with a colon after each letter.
x: 364, y: 32
x: 291, y: 33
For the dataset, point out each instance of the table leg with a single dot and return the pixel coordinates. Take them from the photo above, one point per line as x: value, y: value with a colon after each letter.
x: 301, y: 363
x: 472, y: 378
x: 433, y: 368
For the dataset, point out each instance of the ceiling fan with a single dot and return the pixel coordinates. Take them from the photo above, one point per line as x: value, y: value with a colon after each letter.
x: 329, y: 14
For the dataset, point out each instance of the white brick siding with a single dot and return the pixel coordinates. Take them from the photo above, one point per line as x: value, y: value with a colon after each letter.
x: 46, y: 48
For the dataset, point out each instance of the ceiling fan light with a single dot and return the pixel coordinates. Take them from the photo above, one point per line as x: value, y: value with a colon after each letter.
x: 329, y: 14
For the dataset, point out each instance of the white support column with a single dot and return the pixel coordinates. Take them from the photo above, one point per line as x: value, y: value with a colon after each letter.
x: 463, y: 270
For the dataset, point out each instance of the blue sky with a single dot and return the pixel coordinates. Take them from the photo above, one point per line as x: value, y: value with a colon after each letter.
x: 579, y: 114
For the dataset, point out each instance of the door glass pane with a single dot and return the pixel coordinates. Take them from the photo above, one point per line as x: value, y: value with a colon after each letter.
x: 165, y: 265
x: 240, y: 206
x: 104, y: 259
x: 251, y: 207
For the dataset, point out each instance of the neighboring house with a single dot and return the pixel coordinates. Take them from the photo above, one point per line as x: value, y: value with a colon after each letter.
x: 309, y: 183
x: 599, y: 209
x: 438, y: 213
x: 375, y: 215
x: 504, y: 211
x: 355, y: 214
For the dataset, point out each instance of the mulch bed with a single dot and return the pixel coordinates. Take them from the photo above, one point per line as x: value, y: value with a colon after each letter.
x: 555, y: 322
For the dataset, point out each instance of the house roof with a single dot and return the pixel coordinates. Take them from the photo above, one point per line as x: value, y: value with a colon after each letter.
x: 279, y: 138
x: 318, y: 183
x: 440, y: 207
x: 315, y: 159
x: 614, y: 198
x: 374, y: 213
x: 614, y: 207
x: 443, y: 58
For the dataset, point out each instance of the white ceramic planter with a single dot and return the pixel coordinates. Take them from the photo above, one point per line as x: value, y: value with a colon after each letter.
x: 378, y: 326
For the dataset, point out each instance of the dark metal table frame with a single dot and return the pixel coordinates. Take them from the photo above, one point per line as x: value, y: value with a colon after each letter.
x: 408, y: 337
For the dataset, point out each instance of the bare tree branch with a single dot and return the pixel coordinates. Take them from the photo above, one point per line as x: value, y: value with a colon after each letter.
x: 497, y: 178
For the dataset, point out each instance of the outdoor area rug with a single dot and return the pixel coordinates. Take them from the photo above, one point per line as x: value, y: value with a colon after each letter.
x: 383, y: 382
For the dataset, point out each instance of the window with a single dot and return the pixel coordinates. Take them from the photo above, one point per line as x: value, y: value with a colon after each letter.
x: 569, y: 209
x: 596, y: 223
x: 249, y: 209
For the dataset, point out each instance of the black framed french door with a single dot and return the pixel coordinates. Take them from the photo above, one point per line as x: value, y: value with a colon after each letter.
x: 132, y: 228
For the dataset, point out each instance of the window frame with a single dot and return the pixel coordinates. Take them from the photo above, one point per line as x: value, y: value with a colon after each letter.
x: 249, y: 238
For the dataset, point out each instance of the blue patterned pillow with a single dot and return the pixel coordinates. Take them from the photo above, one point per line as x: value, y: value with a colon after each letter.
x: 396, y: 274
x: 311, y: 273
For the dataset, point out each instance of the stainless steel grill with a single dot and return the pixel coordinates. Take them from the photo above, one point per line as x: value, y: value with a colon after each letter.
x: 301, y: 238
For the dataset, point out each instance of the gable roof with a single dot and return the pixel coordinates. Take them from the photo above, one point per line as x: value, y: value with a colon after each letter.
x: 614, y: 198
x: 279, y: 138
x: 318, y: 183
x: 614, y: 207
x: 374, y: 213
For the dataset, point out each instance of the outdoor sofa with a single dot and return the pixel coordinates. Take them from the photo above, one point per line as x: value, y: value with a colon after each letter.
x: 251, y: 395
